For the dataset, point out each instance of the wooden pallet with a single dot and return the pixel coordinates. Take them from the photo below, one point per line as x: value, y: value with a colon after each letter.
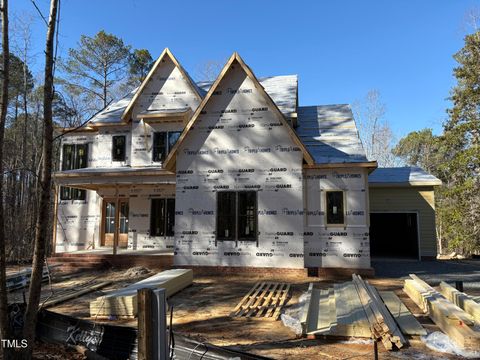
x: 265, y: 300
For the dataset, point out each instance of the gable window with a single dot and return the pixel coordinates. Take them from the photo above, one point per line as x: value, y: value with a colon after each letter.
x: 119, y: 148
x: 236, y: 215
x: 335, y: 208
x: 162, y: 217
x: 163, y: 142
x: 74, y: 156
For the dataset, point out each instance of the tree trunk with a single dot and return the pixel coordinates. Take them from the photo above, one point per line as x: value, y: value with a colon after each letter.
x: 4, y: 323
x: 43, y: 218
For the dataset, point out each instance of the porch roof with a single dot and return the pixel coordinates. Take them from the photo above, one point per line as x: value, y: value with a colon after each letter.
x: 95, y: 178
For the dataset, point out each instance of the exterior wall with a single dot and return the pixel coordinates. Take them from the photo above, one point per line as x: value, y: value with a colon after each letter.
x: 139, y: 215
x: 101, y: 151
x: 78, y: 223
x: 239, y: 143
x: 345, y: 246
x: 410, y: 199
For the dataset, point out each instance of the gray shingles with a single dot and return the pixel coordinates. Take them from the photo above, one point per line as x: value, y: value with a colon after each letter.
x: 402, y: 175
x: 330, y: 134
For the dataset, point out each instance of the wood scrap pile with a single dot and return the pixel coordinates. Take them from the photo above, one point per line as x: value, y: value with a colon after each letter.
x: 355, y: 308
x: 123, y: 302
x: 265, y: 300
x: 451, y: 319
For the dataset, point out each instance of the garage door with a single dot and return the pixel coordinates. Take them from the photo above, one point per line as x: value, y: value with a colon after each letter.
x: 394, y: 235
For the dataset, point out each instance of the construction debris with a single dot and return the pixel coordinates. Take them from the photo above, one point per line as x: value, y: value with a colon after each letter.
x: 265, y: 299
x: 123, y: 302
x: 79, y: 290
x: 349, y: 309
x: 404, y: 318
x: 22, y: 278
x: 462, y: 300
x: 451, y: 319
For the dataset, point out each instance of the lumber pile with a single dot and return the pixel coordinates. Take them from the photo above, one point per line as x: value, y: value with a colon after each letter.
x: 382, y: 324
x: 353, y: 308
x: 21, y: 279
x: 462, y: 300
x: 264, y: 300
x: 403, y: 317
x: 123, y: 302
x: 73, y: 293
x: 450, y: 318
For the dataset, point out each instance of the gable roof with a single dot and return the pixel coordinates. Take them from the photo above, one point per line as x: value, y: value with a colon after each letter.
x: 330, y: 134
x: 407, y: 176
x: 166, y: 53
x: 169, y: 162
x: 283, y: 90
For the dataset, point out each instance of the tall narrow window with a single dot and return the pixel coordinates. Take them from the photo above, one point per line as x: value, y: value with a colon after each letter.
x: 162, y: 217
x: 247, y: 219
x: 159, y: 146
x: 226, y: 209
x: 335, y: 207
x: 118, y: 148
x: 237, y: 215
x: 74, y: 156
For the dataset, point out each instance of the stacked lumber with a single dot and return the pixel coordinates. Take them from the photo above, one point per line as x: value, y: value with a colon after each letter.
x: 73, y: 293
x: 123, y: 302
x: 450, y: 318
x: 462, y: 300
x: 265, y: 300
x: 351, y: 309
x: 21, y: 279
x: 382, y: 324
x: 403, y: 317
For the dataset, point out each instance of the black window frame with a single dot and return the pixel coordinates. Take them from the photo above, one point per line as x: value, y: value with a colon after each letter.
x: 328, y: 213
x: 166, y: 216
x: 115, y: 145
x: 166, y: 145
x: 75, y: 160
x: 237, y: 235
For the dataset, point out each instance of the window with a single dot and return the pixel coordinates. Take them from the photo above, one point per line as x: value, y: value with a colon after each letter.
x: 335, y: 207
x: 162, y: 217
x: 118, y: 148
x: 163, y: 142
x: 237, y: 215
x: 74, y: 156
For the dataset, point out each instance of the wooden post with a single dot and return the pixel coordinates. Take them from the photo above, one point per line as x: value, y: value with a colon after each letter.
x: 145, y: 343
x: 116, y: 231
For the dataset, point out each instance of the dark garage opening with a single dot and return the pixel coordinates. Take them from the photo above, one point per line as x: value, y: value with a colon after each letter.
x: 394, y: 235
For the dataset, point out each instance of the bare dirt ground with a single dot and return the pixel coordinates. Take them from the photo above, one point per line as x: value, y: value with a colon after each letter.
x: 202, y: 310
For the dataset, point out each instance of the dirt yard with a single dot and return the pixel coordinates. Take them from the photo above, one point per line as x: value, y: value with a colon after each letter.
x: 202, y: 310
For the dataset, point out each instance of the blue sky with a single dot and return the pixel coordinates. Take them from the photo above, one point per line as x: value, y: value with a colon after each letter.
x: 339, y: 49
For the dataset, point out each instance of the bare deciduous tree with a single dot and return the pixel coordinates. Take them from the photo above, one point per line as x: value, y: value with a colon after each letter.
x: 375, y: 131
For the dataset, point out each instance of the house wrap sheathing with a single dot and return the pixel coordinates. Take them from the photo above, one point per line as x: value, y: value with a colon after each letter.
x: 229, y: 173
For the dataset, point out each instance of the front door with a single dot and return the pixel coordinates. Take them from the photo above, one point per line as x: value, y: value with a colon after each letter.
x: 115, y: 218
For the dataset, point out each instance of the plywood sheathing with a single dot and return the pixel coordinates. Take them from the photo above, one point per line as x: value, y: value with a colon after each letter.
x: 123, y: 302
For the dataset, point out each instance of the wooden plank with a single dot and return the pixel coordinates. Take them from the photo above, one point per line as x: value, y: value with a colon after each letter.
x: 266, y: 300
x: 447, y: 316
x: 462, y: 300
x: 404, y: 318
x: 283, y: 299
x: 245, y: 298
x: 246, y: 307
x: 73, y: 295
x: 260, y: 298
x: 326, y: 312
x: 313, y: 311
x: 145, y: 340
x: 306, y: 307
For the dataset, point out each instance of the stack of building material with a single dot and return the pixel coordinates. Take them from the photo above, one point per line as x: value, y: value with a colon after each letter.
x: 350, y: 309
x: 451, y: 319
x: 265, y: 299
x: 403, y: 317
x: 123, y: 302
x: 21, y: 279
x: 462, y: 300
x: 382, y: 324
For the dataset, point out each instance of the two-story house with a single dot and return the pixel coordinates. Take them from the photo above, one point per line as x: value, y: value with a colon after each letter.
x: 230, y: 173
